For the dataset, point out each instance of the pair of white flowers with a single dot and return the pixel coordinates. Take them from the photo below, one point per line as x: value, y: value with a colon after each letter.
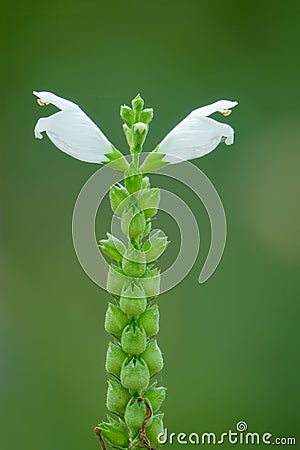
x: 73, y: 132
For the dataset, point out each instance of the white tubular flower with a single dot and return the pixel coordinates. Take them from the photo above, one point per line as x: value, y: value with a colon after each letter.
x: 71, y: 130
x: 198, y: 135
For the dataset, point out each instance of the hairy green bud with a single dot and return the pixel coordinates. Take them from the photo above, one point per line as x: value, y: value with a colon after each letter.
x: 115, y: 433
x: 153, y: 357
x: 155, y: 429
x: 150, y: 320
x: 134, y: 416
x: 112, y: 247
x: 134, y: 339
x: 117, y: 397
x: 115, y: 320
x: 118, y: 195
x: 137, y: 106
x: 133, y: 299
x: 133, y: 180
x: 146, y: 115
x: 135, y: 375
x: 156, y: 396
x: 114, y: 359
x: 140, y: 131
x: 133, y: 222
x: 127, y: 115
x: 155, y: 246
x: 134, y: 263
x: 149, y: 201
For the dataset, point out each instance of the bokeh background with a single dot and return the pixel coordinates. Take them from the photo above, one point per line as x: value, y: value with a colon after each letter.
x: 231, y: 346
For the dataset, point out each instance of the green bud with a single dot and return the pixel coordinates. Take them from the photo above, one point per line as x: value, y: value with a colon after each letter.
x: 146, y: 115
x: 114, y: 359
x: 118, y: 194
x: 117, y: 397
x: 149, y: 201
x: 115, y: 280
x: 134, y: 263
x: 151, y: 282
x: 148, y: 227
x: 128, y: 134
x: 115, y: 433
x: 135, y: 375
x: 156, y: 396
x: 137, y: 105
x: 115, y: 320
x: 134, y: 339
x: 145, y: 183
x: 133, y: 180
x: 153, y: 357
x: 112, y: 247
x: 133, y: 222
x: 155, y: 246
x: 140, y: 131
x: 155, y: 429
x: 150, y: 320
x: 135, y: 415
x: 133, y: 299
x: 127, y: 115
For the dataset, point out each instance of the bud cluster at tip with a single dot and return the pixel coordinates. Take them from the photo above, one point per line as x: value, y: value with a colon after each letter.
x: 133, y: 356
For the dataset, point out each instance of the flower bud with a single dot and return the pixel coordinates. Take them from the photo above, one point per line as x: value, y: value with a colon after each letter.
x: 155, y: 246
x: 151, y: 282
x: 115, y: 280
x: 134, y: 339
x: 112, y: 247
x: 134, y: 416
x: 153, y: 357
x: 149, y: 201
x: 137, y: 105
x: 127, y: 115
x: 133, y: 180
x: 117, y: 397
x: 145, y: 183
x: 115, y: 320
x: 140, y: 131
x: 115, y: 433
x: 133, y: 222
x: 128, y: 134
x: 114, y: 359
x: 134, y: 263
x: 150, y: 320
x: 156, y: 396
x: 146, y: 115
x: 133, y: 299
x: 118, y: 195
x: 155, y: 429
x: 135, y: 375
x: 148, y: 227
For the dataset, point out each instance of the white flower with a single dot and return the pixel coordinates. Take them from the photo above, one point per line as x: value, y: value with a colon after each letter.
x: 198, y: 135
x: 71, y: 130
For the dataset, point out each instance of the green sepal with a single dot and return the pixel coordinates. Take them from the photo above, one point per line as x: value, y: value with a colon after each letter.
x: 115, y: 280
x: 150, y: 281
x: 153, y: 357
x: 145, y: 183
x: 156, y: 396
x: 135, y: 375
x: 146, y: 115
x: 134, y: 339
x: 115, y: 433
x: 134, y: 263
x: 150, y: 320
x: 114, y: 359
x: 137, y: 106
x: 134, y: 416
x: 117, y: 397
x: 118, y: 195
x: 139, y: 134
x: 133, y: 180
x: 148, y: 201
x: 155, y: 429
x: 116, y: 160
x: 115, y: 320
x: 112, y: 247
x: 133, y: 222
x: 133, y: 299
x: 155, y: 246
x: 127, y: 115
x: 153, y: 161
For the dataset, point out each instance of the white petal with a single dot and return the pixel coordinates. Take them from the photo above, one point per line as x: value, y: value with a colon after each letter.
x: 194, y: 137
x: 72, y: 131
x: 221, y: 106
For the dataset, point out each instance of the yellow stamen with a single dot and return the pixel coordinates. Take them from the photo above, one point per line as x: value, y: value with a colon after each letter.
x: 226, y: 112
x: 41, y: 103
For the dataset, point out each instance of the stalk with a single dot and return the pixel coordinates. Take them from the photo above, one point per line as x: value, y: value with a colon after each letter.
x: 133, y: 357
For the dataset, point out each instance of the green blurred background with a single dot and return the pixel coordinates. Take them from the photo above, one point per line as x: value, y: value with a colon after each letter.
x: 231, y: 346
